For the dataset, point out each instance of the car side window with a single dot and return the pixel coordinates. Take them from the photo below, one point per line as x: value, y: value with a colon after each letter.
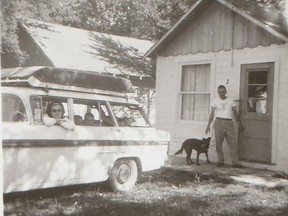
x: 48, y: 100
x: 129, y: 116
x: 39, y: 105
x: 13, y: 108
x: 91, y: 113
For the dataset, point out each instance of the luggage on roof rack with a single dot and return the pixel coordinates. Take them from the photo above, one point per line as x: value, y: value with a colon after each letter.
x: 64, y: 77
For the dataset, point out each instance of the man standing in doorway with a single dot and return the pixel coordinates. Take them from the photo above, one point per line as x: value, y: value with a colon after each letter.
x: 223, y: 108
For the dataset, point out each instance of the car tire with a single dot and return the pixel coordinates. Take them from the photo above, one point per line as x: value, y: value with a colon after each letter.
x: 123, y: 175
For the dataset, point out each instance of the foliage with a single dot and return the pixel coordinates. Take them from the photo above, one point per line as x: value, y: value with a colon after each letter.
x: 45, y: 10
x: 140, y: 19
x: 123, y: 58
x: 279, y: 4
x: 146, y: 96
x: 148, y: 19
x: 127, y: 59
x: 120, y: 17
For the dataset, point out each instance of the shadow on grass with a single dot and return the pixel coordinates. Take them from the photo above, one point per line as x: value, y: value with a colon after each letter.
x: 56, y: 192
x: 130, y: 208
x: 257, y: 210
x: 283, y: 211
x: 175, y: 206
x: 166, y: 175
x: 177, y: 195
x: 121, y: 205
x: 174, y: 176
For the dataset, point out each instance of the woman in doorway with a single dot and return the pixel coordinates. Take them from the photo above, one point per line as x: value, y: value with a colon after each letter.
x: 258, y: 102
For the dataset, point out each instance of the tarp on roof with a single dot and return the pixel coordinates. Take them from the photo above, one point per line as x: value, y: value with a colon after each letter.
x: 74, y: 48
x: 67, y: 77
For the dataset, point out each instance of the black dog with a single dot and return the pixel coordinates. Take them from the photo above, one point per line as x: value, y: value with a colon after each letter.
x: 201, y: 146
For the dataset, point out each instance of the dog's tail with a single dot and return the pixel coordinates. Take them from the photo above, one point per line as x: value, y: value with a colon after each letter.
x: 180, y: 150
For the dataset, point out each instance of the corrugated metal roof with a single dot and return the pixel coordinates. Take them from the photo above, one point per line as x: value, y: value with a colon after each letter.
x: 74, y: 48
x: 269, y: 18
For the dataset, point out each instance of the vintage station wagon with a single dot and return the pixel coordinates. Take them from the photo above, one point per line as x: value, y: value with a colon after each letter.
x: 118, y: 144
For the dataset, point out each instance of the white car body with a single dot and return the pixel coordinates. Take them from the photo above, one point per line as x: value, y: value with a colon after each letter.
x: 36, y: 156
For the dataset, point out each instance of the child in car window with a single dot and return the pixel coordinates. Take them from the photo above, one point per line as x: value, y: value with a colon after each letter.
x: 89, y: 119
x: 55, y: 116
x: 78, y: 120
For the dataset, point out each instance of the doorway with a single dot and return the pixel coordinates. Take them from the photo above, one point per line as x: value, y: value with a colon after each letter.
x: 256, y: 108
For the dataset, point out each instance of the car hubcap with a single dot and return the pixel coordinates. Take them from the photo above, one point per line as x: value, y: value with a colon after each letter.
x: 124, y: 173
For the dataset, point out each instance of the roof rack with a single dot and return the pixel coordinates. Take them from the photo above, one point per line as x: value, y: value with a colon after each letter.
x: 66, y: 79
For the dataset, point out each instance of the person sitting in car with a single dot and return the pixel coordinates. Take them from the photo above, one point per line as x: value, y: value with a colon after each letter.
x: 125, y: 121
x: 78, y: 120
x: 55, y: 116
x: 89, y: 119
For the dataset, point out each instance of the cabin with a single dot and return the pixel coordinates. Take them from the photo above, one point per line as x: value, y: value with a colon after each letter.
x: 242, y: 45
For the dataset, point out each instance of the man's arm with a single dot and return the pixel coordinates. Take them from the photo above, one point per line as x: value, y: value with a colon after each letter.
x: 237, y: 118
x: 211, y: 117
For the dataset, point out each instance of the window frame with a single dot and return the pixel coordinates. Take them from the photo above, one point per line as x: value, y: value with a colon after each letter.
x: 70, y: 102
x: 65, y: 99
x: 181, y: 93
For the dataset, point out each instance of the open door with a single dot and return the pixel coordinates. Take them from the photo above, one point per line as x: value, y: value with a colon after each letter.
x: 256, y: 106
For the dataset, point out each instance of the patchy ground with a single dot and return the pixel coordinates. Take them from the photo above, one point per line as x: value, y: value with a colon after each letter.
x: 165, y: 192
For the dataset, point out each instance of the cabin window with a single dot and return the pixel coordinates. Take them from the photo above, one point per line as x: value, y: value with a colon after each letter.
x: 13, y: 109
x: 195, y: 92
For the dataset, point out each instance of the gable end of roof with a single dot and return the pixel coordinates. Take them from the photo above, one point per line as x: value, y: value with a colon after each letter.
x: 152, y: 52
x: 254, y: 20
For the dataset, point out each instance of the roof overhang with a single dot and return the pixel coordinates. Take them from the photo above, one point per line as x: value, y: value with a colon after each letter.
x: 152, y: 52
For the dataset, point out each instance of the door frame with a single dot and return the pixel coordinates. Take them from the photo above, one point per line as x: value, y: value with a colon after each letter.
x: 245, y: 68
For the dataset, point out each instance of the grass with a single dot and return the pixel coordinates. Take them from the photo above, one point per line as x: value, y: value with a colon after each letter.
x: 166, y: 192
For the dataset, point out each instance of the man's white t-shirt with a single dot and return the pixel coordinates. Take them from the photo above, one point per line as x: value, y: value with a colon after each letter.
x: 223, y: 108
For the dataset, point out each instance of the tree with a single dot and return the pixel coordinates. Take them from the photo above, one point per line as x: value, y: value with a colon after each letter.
x: 45, y: 10
x: 127, y: 59
x: 133, y: 18
x: 148, y: 19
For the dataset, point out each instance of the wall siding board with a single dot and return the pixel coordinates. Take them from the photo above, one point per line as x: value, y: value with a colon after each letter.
x: 218, y: 28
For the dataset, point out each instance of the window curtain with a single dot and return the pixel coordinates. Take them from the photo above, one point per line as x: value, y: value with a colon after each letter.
x: 195, y: 92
